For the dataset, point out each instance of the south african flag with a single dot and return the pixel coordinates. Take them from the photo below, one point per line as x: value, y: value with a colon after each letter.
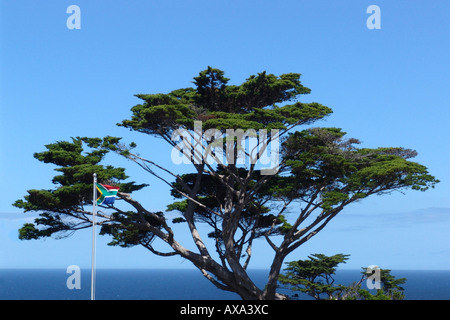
x: 106, y: 194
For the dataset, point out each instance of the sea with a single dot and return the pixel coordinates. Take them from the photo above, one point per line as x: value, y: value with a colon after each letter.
x: 170, y: 284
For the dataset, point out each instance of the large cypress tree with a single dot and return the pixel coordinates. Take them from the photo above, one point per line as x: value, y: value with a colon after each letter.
x: 314, y: 172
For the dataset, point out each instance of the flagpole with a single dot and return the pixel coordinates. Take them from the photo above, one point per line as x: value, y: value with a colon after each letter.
x: 94, y: 213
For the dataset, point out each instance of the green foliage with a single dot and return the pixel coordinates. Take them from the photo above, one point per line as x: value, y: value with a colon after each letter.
x: 315, y: 277
x: 251, y: 105
x: 320, y: 158
x: 75, y: 167
x: 125, y: 232
x: 285, y: 225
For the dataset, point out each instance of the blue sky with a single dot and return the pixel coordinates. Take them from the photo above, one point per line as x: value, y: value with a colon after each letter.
x: 387, y: 87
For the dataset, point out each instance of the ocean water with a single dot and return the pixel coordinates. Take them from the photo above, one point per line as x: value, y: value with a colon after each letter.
x: 140, y: 284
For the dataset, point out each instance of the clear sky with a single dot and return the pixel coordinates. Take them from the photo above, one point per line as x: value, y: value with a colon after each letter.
x: 387, y: 87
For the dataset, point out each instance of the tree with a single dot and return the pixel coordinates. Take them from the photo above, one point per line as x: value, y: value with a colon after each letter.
x: 315, y: 172
x: 315, y: 277
x: 390, y: 288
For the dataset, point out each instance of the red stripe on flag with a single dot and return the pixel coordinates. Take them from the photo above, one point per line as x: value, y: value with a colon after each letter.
x: 110, y: 188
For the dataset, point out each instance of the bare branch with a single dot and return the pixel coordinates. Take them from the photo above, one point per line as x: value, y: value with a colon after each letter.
x: 162, y: 254
x: 215, y: 282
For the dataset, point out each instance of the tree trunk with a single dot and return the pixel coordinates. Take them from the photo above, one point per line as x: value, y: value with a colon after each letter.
x: 272, y: 282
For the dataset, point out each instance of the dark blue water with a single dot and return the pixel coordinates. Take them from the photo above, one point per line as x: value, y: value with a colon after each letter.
x: 50, y: 284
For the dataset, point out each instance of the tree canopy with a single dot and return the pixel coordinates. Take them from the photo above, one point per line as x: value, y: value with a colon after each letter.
x: 318, y: 172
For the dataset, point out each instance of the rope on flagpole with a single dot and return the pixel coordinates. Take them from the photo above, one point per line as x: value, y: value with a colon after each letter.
x: 94, y: 213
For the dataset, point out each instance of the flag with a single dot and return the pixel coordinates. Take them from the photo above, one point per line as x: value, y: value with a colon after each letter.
x: 106, y: 194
